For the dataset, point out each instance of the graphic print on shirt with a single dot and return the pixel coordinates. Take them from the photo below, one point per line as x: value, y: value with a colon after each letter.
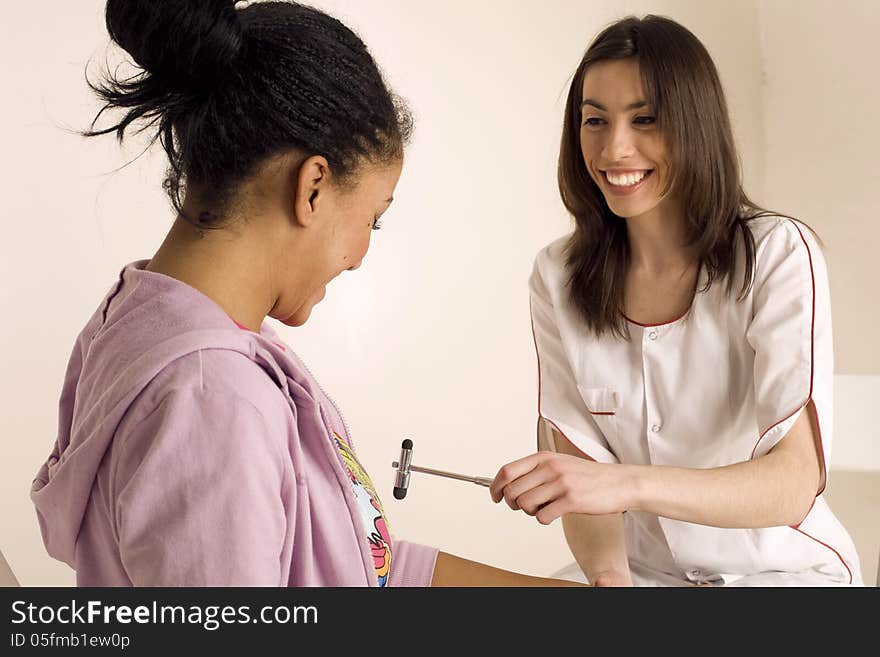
x: 378, y: 536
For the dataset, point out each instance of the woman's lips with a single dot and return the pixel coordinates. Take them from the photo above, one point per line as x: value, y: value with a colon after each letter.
x: 625, y: 190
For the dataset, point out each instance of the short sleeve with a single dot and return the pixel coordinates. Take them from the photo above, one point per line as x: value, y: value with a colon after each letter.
x: 199, y: 498
x: 559, y: 402
x: 790, y: 332
x: 412, y: 564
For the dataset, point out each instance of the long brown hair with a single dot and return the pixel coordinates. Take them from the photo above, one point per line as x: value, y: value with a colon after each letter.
x: 683, y: 87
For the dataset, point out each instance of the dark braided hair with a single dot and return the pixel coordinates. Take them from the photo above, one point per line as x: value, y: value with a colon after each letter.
x: 225, y: 89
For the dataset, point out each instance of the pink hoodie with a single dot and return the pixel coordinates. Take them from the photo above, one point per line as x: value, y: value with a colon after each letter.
x: 193, y: 453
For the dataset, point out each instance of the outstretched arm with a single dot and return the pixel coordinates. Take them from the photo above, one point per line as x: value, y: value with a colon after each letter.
x: 450, y: 570
x: 775, y: 489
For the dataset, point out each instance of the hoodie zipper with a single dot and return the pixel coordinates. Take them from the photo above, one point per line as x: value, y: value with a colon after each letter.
x: 370, y: 572
x: 352, y: 506
x: 329, y: 398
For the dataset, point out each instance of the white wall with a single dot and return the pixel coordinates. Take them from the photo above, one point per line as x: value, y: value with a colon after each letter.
x: 430, y: 339
x: 821, y: 98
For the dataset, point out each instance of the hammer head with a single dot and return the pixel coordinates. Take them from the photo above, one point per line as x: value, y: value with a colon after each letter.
x: 401, y: 481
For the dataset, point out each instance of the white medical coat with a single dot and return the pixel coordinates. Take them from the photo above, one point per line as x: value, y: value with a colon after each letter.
x: 721, y: 385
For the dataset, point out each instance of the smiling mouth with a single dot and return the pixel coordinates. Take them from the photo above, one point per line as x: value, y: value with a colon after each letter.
x: 628, y: 180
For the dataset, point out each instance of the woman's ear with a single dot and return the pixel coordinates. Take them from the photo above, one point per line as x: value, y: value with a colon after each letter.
x: 311, y: 185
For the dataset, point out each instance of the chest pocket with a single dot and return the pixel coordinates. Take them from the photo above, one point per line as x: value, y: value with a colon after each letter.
x: 602, y: 405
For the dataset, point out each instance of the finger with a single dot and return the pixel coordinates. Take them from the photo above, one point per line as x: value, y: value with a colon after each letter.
x: 509, y: 472
x: 556, y: 509
x: 513, y: 470
x: 532, y: 501
x: 547, y: 467
x: 517, y: 488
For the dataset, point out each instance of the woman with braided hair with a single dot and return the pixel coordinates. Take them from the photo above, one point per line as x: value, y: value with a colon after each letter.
x: 194, y: 447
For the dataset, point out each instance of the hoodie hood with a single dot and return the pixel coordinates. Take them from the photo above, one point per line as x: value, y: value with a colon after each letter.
x: 146, y: 321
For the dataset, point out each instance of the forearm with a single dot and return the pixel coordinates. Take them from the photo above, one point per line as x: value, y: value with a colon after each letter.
x: 768, y: 491
x: 597, y: 543
x: 450, y: 570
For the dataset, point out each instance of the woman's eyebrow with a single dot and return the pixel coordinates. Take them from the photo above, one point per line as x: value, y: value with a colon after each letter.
x: 599, y: 106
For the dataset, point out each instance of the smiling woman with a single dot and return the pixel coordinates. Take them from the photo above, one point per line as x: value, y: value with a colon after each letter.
x: 647, y: 129
x: 692, y: 426
x: 606, y: 137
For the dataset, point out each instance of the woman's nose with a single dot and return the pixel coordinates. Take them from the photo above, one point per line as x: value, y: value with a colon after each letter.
x: 619, y: 145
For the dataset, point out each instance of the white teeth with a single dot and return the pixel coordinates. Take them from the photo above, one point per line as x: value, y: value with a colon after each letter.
x: 626, y: 179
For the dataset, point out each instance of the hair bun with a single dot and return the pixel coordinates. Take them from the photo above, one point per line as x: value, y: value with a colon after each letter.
x: 181, y: 42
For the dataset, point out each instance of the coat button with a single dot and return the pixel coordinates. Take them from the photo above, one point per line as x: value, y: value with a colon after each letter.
x: 652, y: 335
x: 656, y: 428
